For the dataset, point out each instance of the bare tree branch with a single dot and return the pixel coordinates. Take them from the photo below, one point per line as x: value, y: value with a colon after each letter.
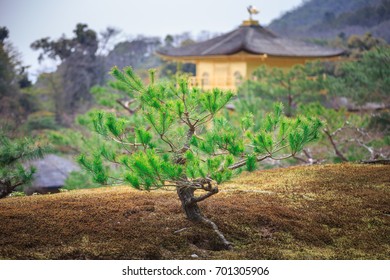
x: 334, y: 145
x: 126, y: 105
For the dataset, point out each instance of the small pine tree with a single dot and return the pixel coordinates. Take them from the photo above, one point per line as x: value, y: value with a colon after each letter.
x: 181, y: 141
x: 12, y: 154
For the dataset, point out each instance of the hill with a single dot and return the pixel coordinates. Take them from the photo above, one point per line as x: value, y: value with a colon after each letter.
x: 316, y: 212
x: 329, y: 18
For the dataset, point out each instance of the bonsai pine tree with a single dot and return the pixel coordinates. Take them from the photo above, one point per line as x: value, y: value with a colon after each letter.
x: 12, y: 153
x: 181, y: 141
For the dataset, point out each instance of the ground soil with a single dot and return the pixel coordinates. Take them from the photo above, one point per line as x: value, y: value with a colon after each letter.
x: 308, y: 212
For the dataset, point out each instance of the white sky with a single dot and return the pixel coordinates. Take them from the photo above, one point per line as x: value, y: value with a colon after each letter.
x: 29, y: 20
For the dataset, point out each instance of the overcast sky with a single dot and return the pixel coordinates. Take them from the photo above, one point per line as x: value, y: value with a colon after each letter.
x: 29, y: 20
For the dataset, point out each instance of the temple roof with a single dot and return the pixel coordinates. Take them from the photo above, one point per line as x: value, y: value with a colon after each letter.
x: 253, y: 39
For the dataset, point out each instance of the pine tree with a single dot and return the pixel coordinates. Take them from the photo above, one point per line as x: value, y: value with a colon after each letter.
x: 181, y: 140
x: 12, y: 153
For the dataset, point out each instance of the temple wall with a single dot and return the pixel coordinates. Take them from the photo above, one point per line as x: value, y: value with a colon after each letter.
x: 220, y: 74
x: 227, y: 72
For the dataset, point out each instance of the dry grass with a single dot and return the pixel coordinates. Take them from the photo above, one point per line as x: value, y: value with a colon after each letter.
x: 318, y: 212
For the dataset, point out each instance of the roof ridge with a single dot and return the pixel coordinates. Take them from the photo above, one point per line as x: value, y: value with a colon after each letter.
x: 258, y: 29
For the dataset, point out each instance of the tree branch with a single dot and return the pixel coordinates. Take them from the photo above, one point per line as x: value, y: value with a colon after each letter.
x: 126, y: 105
x: 203, y: 197
x: 186, y: 146
x: 309, y: 157
x: 126, y: 143
x: 241, y: 163
x: 336, y: 150
x: 282, y: 158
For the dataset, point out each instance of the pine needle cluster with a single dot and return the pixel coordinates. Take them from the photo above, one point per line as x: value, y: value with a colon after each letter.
x: 182, y: 139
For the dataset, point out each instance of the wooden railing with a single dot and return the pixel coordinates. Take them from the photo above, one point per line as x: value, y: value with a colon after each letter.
x: 214, y: 82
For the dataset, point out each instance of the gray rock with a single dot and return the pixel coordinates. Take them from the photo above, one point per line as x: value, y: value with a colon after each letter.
x: 52, y: 171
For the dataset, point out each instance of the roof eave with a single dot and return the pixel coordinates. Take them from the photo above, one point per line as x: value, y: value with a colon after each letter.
x: 244, y: 53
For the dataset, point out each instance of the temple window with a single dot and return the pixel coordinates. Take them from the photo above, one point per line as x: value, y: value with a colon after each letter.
x: 237, y: 78
x: 205, y: 79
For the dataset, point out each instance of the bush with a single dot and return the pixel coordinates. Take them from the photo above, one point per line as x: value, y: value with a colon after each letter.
x: 41, y: 120
x: 13, y: 152
x: 79, y: 180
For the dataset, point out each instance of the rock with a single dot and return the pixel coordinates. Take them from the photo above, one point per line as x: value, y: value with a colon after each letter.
x: 51, y: 174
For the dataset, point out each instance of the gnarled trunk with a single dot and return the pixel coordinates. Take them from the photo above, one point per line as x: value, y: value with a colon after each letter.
x: 190, y: 206
x: 192, y: 210
x: 6, y: 188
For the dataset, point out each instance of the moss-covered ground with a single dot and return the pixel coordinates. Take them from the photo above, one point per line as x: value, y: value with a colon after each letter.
x: 316, y: 212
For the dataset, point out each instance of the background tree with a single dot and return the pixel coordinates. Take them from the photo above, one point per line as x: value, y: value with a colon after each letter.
x: 139, y: 53
x: 365, y: 80
x: 80, y: 68
x: 346, y: 136
x: 12, y: 153
x: 14, y: 106
x: 359, y: 44
x: 169, y: 69
x: 292, y: 87
x: 181, y: 141
x: 351, y: 97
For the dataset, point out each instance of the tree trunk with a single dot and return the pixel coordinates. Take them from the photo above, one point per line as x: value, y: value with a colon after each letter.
x: 186, y: 196
x: 190, y: 206
x: 289, y: 106
x: 3, y: 193
x: 5, y: 189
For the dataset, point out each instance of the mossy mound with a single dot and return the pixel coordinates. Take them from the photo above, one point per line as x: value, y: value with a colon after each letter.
x: 316, y: 212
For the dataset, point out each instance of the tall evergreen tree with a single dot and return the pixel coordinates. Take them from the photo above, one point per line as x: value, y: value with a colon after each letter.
x: 181, y: 141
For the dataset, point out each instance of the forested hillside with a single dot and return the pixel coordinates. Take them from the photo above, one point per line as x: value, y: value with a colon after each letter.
x: 329, y: 18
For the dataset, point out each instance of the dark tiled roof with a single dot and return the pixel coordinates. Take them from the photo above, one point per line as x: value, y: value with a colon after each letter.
x: 254, y: 40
